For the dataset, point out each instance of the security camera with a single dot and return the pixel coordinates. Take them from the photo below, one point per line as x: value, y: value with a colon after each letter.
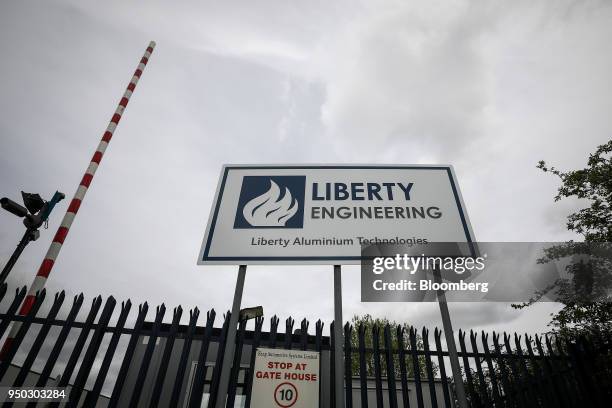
x: 13, y: 207
x: 33, y: 202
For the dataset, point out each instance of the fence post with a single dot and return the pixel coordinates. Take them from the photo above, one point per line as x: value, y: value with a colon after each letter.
x: 447, y: 399
x: 146, y: 358
x: 377, y: 365
x: 182, y: 366
x: 505, y: 377
x: 92, y: 397
x: 248, y: 387
x: 59, y: 343
x: 339, y: 366
x: 304, y: 334
x: 273, y: 330
x: 515, y: 374
x: 90, y: 353
x: 416, y: 367
x: 400, y: 333
x: 586, y: 358
x: 10, y: 313
x: 23, y: 329
x: 558, y: 391
x: 40, y: 338
x: 494, y: 384
x: 531, y: 395
x: 332, y: 366
x: 348, y: 365
x: 197, y: 388
x: 584, y: 383
x: 547, y: 396
x: 216, y: 375
x: 289, y: 323
x: 318, y: 335
x: 475, y: 401
x: 481, y: 379
x: 429, y: 368
x: 80, y: 343
x: 363, y: 370
x: 129, y: 353
x: 165, y: 360
x: 564, y: 367
x: 233, y: 385
x: 390, y: 366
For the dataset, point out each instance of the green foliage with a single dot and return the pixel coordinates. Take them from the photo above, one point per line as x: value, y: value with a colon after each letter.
x: 371, y: 326
x: 575, y: 320
x: 593, y: 183
x: 588, y: 307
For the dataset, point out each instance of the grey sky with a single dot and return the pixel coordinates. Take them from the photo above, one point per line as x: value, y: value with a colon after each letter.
x: 490, y: 87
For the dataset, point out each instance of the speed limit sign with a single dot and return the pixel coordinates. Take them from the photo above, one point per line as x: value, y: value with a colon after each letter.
x: 285, y: 395
x: 285, y: 378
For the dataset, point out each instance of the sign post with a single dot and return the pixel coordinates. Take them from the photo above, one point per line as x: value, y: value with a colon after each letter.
x: 453, y: 356
x: 338, y: 336
x: 230, y: 343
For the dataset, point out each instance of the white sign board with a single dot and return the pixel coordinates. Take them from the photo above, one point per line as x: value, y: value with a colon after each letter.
x: 323, y: 214
x: 285, y: 378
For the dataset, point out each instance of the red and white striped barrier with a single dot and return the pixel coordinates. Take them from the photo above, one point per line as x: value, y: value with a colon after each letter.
x: 60, y: 236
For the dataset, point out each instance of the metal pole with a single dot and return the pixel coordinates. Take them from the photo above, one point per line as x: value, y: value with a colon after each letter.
x: 450, y: 344
x: 230, y: 345
x: 58, y: 240
x: 27, y: 237
x: 338, y: 338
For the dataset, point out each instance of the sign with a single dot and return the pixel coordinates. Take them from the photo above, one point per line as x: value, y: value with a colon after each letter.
x: 324, y: 214
x: 285, y: 378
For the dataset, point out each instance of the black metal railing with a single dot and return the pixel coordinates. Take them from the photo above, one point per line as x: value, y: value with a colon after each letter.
x: 157, y: 363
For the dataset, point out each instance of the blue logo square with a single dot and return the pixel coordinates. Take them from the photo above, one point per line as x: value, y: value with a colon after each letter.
x: 271, y: 202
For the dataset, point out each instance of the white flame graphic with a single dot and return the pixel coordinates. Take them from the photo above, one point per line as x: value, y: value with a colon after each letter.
x: 269, y: 210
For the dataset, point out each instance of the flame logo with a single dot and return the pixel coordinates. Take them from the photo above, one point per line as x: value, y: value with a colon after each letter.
x: 269, y: 209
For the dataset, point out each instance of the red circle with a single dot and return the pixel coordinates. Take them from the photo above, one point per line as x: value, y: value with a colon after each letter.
x: 296, y: 395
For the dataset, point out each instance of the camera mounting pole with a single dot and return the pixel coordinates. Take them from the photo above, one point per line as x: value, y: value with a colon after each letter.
x: 29, y: 235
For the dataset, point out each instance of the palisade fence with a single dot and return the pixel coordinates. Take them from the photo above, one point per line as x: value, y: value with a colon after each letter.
x: 152, y: 363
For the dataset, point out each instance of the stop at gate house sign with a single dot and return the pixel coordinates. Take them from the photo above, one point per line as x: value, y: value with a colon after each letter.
x: 285, y: 378
x: 323, y: 214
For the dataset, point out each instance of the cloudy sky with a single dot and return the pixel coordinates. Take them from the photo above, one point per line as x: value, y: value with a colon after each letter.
x: 489, y: 87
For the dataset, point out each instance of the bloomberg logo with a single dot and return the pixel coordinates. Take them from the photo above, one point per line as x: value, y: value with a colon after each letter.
x: 271, y: 202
